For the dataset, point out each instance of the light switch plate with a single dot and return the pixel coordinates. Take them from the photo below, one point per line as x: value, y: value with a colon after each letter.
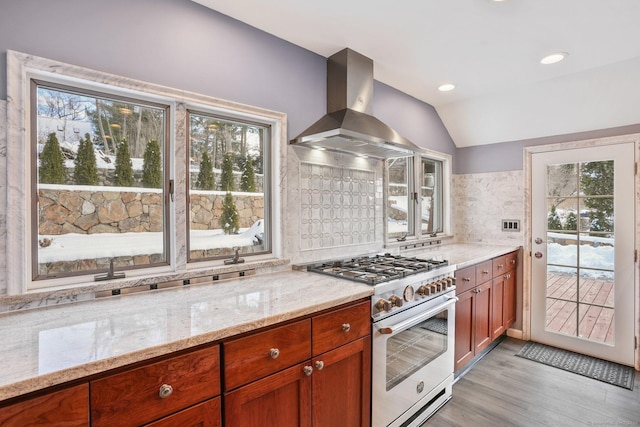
x: 510, y: 225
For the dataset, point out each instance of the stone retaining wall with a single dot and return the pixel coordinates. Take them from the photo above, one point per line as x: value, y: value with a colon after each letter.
x: 80, y: 211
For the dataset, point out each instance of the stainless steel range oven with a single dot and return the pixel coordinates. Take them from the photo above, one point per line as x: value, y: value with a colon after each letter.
x: 413, y: 314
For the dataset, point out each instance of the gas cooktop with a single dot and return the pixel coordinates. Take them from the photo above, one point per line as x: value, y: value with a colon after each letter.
x: 377, y: 268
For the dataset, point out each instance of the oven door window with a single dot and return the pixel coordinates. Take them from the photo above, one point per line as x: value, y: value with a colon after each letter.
x: 413, y: 348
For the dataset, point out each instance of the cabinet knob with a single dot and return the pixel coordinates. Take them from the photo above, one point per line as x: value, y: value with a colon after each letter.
x: 346, y: 327
x: 274, y: 353
x: 487, y: 271
x: 165, y: 391
x: 308, y: 370
x: 466, y: 279
x: 500, y: 265
x: 513, y: 261
x: 319, y: 365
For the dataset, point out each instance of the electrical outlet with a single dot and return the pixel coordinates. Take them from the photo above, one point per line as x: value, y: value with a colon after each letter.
x: 510, y: 225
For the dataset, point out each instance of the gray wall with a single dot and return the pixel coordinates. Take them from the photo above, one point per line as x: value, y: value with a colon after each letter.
x: 184, y: 45
x: 508, y: 156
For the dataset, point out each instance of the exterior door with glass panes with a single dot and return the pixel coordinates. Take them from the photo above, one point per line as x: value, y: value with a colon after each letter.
x: 582, y: 286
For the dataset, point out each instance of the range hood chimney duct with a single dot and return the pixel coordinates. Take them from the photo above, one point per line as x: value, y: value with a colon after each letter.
x: 349, y: 125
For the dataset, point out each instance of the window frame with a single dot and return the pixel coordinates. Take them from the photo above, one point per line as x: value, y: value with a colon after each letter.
x: 36, y: 83
x: 21, y: 68
x: 267, y: 173
x: 414, y: 190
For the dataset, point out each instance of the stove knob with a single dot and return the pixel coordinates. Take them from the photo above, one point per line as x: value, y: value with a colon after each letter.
x: 423, y: 290
x: 395, y: 301
x: 449, y: 282
x: 383, y: 305
x: 435, y: 288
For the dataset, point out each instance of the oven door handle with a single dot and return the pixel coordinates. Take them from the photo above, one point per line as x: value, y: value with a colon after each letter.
x: 401, y: 326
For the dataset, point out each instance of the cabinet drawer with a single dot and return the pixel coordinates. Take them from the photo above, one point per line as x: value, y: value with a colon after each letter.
x: 133, y: 397
x: 339, y: 327
x: 484, y: 272
x: 500, y: 265
x: 511, y: 260
x: 68, y: 407
x: 258, y: 355
x: 465, y: 279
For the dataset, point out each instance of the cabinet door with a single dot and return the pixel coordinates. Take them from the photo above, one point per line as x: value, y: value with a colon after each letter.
x: 464, y: 329
x: 482, y: 317
x: 64, y: 408
x: 497, y: 307
x: 341, y: 386
x: 509, y: 299
x: 281, y: 399
x: 206, y: 414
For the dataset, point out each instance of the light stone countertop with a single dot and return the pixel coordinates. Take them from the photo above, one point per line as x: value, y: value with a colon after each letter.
x: 462, y: 254
x: 53, y: 345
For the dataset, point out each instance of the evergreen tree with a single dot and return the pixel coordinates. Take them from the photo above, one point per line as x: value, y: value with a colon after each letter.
x: 52, y: 162
x: 229, y: 219
x: 248, y: 178
x: 205, y: 176
x: 226, y: 179
x: 572, y: 222
x: 123, y: 174
x: 85, y: 172
x: 553, y: 220
x: 596, y: 179
x: 152, y: 166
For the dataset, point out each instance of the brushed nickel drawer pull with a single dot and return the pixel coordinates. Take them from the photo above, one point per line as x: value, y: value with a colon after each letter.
x: 165, y: 391
x: 274, y: 353
x: 346, y: 327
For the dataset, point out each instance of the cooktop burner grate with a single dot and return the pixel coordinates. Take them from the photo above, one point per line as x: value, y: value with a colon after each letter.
x: 376, y: 269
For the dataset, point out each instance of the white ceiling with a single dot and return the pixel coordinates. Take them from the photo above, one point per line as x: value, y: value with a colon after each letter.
x: 490, y: 50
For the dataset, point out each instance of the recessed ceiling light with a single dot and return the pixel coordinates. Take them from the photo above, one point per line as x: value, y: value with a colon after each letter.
x: 553, y: 58
x: 446, y: 87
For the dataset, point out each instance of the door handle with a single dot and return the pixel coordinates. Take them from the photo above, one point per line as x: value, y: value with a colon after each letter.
x: 538, y: 240
x: 538, y: 254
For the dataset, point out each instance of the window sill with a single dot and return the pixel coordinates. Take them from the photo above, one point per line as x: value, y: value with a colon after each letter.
x: 413, y: 243
x: 87, y: 291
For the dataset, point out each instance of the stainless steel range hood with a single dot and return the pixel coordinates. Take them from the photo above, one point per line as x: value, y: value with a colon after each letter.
x: 349, y: 125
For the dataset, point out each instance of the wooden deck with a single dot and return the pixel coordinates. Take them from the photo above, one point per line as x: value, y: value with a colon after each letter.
x: 586, y: 312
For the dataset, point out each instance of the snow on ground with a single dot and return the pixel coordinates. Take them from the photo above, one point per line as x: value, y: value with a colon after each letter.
x: 73, y: 246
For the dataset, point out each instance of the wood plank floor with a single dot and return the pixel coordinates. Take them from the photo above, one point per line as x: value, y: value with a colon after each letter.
x: 592, y: 318
x: 505, y: 390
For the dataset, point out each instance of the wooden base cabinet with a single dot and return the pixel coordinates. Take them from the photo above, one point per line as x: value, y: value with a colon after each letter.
x: 64, y: 408
x: 486, y: 306
x: 341, y: 386
x: 473, y: 323
x: 331, y: 387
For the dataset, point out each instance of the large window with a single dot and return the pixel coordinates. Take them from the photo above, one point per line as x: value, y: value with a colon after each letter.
x: 98, y: 182
x: 115, y: 179
x: 415, y: 197
x: 227, y: 176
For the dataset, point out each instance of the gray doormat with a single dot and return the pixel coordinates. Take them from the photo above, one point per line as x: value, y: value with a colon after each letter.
x: 601, y: 370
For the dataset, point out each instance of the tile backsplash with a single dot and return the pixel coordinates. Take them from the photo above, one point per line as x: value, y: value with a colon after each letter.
x: 479, y: 203
x: 337, y: 206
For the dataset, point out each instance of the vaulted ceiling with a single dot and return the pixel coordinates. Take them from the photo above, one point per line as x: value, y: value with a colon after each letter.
x: 490, y: 50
